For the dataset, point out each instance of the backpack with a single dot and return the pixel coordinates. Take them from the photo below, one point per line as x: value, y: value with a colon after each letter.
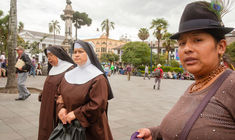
x: 157, y: 73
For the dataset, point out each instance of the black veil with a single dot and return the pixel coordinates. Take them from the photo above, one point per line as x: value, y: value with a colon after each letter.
x: 59, y: 52
x: 94, y: 60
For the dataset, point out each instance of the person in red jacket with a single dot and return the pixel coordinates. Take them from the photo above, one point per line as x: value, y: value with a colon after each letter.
x: 158, y: 73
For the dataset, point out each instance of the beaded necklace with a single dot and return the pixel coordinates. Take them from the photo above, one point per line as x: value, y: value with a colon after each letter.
x: 203, y: 80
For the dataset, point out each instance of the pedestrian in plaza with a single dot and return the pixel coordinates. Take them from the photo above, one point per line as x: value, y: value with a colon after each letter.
x: 117, y: 69
x: 128, y: 70
x: 179, y: 75
x: 39, y: 69
x: 146, y: 72
x: 158, y: 74
x: 4, y: 67
x: 58, y: 63
x: 112, y: 69
x: 85, y: 93
x: 2, y: 70
x: 3, y: 57
x: 169, y: 75
x: 206, y: 111
x: 22, y: 73
x: 33, y: 67
x: 107, y: 70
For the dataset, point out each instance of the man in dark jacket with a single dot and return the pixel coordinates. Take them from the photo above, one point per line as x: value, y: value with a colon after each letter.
x: 22, y: 73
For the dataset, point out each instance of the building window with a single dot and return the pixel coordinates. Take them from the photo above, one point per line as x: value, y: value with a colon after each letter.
x: 110, y: 43
x: 103, y: 49
x: 97, y: 43
x: 97, y: 49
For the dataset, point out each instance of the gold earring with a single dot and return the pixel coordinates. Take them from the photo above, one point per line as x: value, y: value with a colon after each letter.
x: 221, y: 60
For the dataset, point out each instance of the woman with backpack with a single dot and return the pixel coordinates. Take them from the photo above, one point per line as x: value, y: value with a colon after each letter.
x: 158, y: 73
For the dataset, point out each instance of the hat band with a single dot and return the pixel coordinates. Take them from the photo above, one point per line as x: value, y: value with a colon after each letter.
x: 199, y: 23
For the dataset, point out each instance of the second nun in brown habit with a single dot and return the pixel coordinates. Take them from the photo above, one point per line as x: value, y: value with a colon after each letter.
x: 85, y: 92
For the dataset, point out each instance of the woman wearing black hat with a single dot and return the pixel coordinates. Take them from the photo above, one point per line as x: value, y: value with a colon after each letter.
x: 58, y: 63
x: 206, y: 111
x: 85, y: 92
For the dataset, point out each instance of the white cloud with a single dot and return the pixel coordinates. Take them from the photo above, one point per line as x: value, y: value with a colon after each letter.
x: 128, y: 15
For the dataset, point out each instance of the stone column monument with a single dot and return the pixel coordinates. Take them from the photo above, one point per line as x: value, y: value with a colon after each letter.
x: 68, y: 17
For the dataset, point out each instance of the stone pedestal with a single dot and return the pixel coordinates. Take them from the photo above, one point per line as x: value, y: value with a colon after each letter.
x: 68, y: 17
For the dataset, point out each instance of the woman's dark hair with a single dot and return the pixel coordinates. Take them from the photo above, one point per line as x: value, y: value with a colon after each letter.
x: 216, y: 34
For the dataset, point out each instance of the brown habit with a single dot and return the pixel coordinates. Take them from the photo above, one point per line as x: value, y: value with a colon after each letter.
x: 47, y: 119
x: 217, y: 121
x: 89, y: 102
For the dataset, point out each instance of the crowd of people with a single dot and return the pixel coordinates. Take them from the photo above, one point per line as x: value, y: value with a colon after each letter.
x: 36, y: 66
x: 3, y: 65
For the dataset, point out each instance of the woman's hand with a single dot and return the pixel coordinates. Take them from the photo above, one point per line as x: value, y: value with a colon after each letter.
x: 40, y: 97
x: 145, y: 134
x: 59, y: 100
x: 70, y: 116
x: 62, y: 115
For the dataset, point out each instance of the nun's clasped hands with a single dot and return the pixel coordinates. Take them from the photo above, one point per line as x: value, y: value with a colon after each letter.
x: 66, y: 117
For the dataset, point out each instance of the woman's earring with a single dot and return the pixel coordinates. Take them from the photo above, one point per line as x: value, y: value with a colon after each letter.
x: 221, y: 60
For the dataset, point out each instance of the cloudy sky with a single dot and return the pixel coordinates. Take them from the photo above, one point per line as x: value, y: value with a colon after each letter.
x: 128, y: 15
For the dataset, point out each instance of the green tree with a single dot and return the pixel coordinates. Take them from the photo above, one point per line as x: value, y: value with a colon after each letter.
x: 161, y: 60
x: 143, y: 34
x: 4, y: 28
x: 106, y: 26
x: 174, y: 63
x: 231, y: 52
x: 136, y: 53
x: 168, y: 44
x: 109, y: 57
x: 160, y: 26
x: 12, y: 43
x: 54, y: 28
x: 80, y: 19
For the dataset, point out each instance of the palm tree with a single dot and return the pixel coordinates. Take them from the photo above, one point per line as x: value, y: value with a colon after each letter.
x: 54, y: 28
x: 80, y: 19
x: 168, y: 44
x: 20, y: 27
x: 106, y: 26
x: 159, y: 25
x: 12, y: 43
x: 143, y: 34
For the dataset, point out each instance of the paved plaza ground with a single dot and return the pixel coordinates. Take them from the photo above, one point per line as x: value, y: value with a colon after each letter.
x: 135, y: 105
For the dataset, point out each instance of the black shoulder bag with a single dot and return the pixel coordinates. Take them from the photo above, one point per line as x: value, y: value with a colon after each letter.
x: 73, y: 131
x: 202, y: 106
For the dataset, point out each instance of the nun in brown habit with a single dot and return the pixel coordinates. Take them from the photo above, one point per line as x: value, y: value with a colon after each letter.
x: 85, y: 92
x: 58, y: 63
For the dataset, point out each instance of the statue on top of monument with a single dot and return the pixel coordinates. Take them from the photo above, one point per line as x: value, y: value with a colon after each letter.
x: 68, y: 2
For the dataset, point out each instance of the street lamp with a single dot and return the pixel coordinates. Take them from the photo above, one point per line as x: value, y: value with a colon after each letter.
x: 151, y: 45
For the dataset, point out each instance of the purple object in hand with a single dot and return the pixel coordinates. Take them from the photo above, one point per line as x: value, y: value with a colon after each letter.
x: 134, y: 136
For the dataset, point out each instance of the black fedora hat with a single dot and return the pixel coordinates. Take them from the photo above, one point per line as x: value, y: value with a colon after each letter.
x: 199, y: 16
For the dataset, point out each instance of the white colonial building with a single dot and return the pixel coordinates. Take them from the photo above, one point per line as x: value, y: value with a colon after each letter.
x: 32, y: 36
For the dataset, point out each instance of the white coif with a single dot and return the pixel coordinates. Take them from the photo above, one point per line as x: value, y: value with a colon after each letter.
x: 60, y: 68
